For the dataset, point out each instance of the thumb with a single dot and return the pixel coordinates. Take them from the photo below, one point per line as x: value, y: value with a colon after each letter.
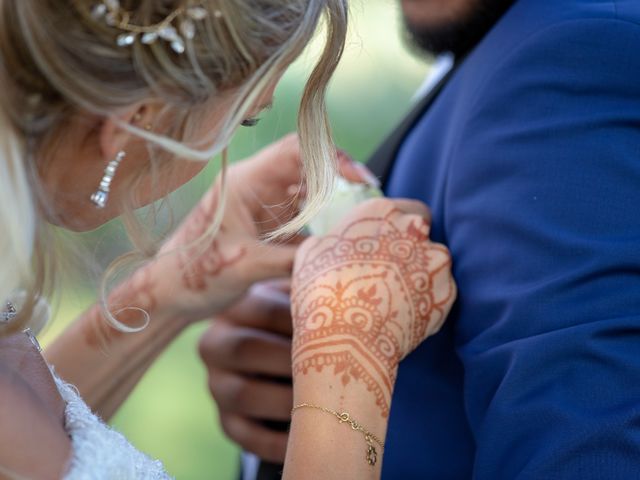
x: 356, y: 172
x: 270, y: 261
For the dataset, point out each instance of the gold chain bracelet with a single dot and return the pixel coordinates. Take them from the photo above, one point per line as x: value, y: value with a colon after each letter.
x: 344, y: 417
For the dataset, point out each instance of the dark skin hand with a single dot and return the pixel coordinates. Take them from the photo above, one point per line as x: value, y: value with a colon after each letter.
x: 247, y: 351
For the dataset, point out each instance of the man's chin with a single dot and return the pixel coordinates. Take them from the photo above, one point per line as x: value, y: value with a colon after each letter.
x: 435, y: 29
x: 435, y: 39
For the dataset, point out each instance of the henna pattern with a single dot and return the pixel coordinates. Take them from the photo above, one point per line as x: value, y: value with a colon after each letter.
x: 362, y: 302
x: 194, y: 267
x: 137, y: 293
x: 198, y: 265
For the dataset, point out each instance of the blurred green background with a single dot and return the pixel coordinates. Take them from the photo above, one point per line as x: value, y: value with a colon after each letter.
x: 170, y: 415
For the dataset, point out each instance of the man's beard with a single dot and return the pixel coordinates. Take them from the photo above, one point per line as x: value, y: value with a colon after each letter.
x: 461, y: 35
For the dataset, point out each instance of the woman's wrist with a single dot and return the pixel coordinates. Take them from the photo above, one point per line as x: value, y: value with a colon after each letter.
x: 326, y: 389
x: 341, y: 363
x: 164, y: 288
x: 338, y: 429
x: 143, y: 297
x: 79, y: 354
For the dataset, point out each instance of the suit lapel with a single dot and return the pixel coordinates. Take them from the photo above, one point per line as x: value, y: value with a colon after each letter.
x: 382, y: 160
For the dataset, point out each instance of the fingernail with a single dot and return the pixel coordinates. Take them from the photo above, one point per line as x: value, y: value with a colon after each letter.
x: 295, y: 190
x: 344, y: 156
x: 367, y: 175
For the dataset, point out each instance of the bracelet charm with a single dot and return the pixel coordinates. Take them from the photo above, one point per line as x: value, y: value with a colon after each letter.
x: 372, y: 453
x: 344, y: 417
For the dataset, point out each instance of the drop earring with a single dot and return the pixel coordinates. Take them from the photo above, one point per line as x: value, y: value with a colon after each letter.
x: 101, y: 197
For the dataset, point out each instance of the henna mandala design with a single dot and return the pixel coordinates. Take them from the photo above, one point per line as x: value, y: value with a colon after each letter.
x: 362, y: 302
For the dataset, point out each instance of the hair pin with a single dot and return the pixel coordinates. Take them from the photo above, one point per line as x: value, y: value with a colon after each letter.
x: 9, y: 313
x: 176, y: 29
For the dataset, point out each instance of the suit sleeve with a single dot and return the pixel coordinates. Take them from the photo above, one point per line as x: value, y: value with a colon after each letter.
x: 543, y: 220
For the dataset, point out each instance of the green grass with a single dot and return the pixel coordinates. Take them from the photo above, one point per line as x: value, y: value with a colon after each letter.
x: 170, y: 415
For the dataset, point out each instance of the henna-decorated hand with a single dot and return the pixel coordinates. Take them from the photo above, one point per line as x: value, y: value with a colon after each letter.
x: 366, y: 295
x: 199, y: 281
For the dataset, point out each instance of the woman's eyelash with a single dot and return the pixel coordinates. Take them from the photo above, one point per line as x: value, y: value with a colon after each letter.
x: 250, y: 122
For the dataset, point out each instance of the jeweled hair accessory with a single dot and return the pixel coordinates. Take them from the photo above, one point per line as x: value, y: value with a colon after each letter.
x: 40, y: 313
x: 8, y: 313
x: 178, y: 27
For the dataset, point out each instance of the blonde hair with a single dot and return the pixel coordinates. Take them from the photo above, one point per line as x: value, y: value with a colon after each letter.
x: 57, y: 61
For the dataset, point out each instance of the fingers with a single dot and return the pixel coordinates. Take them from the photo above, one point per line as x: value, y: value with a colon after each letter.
x: 246, y: 350
x: 380, y: 207
x: 294, y: 239
x: 268, y: 261
x: 281, y: 160
x: 280, y: 285
x: 249, y: 397
x: 268, y: 444
x: 444, y: 288
x: 271, y: 183
x: 267, y: 306
x: 240, y: 361
x: 348, y: 169
x: 355, y: 172
x: 288, y: 150
x: 412, y: 207
x: 372, y: 215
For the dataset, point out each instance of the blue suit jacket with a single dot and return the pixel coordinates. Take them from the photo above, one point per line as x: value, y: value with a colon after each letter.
x: 530, y: 160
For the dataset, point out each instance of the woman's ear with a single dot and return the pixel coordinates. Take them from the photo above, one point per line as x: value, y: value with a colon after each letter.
x: 115, y: 138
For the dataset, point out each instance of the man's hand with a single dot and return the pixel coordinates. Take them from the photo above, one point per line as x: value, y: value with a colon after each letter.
x: 247, y: 351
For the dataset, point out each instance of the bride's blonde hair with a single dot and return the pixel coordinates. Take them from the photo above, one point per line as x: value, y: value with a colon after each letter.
x: 57, y: 60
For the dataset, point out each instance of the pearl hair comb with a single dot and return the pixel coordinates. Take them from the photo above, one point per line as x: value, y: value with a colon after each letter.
x: 176, y: 29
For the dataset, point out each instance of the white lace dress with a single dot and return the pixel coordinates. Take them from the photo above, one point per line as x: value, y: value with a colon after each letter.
x: 99, y: 452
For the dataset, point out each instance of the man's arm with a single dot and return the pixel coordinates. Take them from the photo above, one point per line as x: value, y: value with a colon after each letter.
x: 543, y: 220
